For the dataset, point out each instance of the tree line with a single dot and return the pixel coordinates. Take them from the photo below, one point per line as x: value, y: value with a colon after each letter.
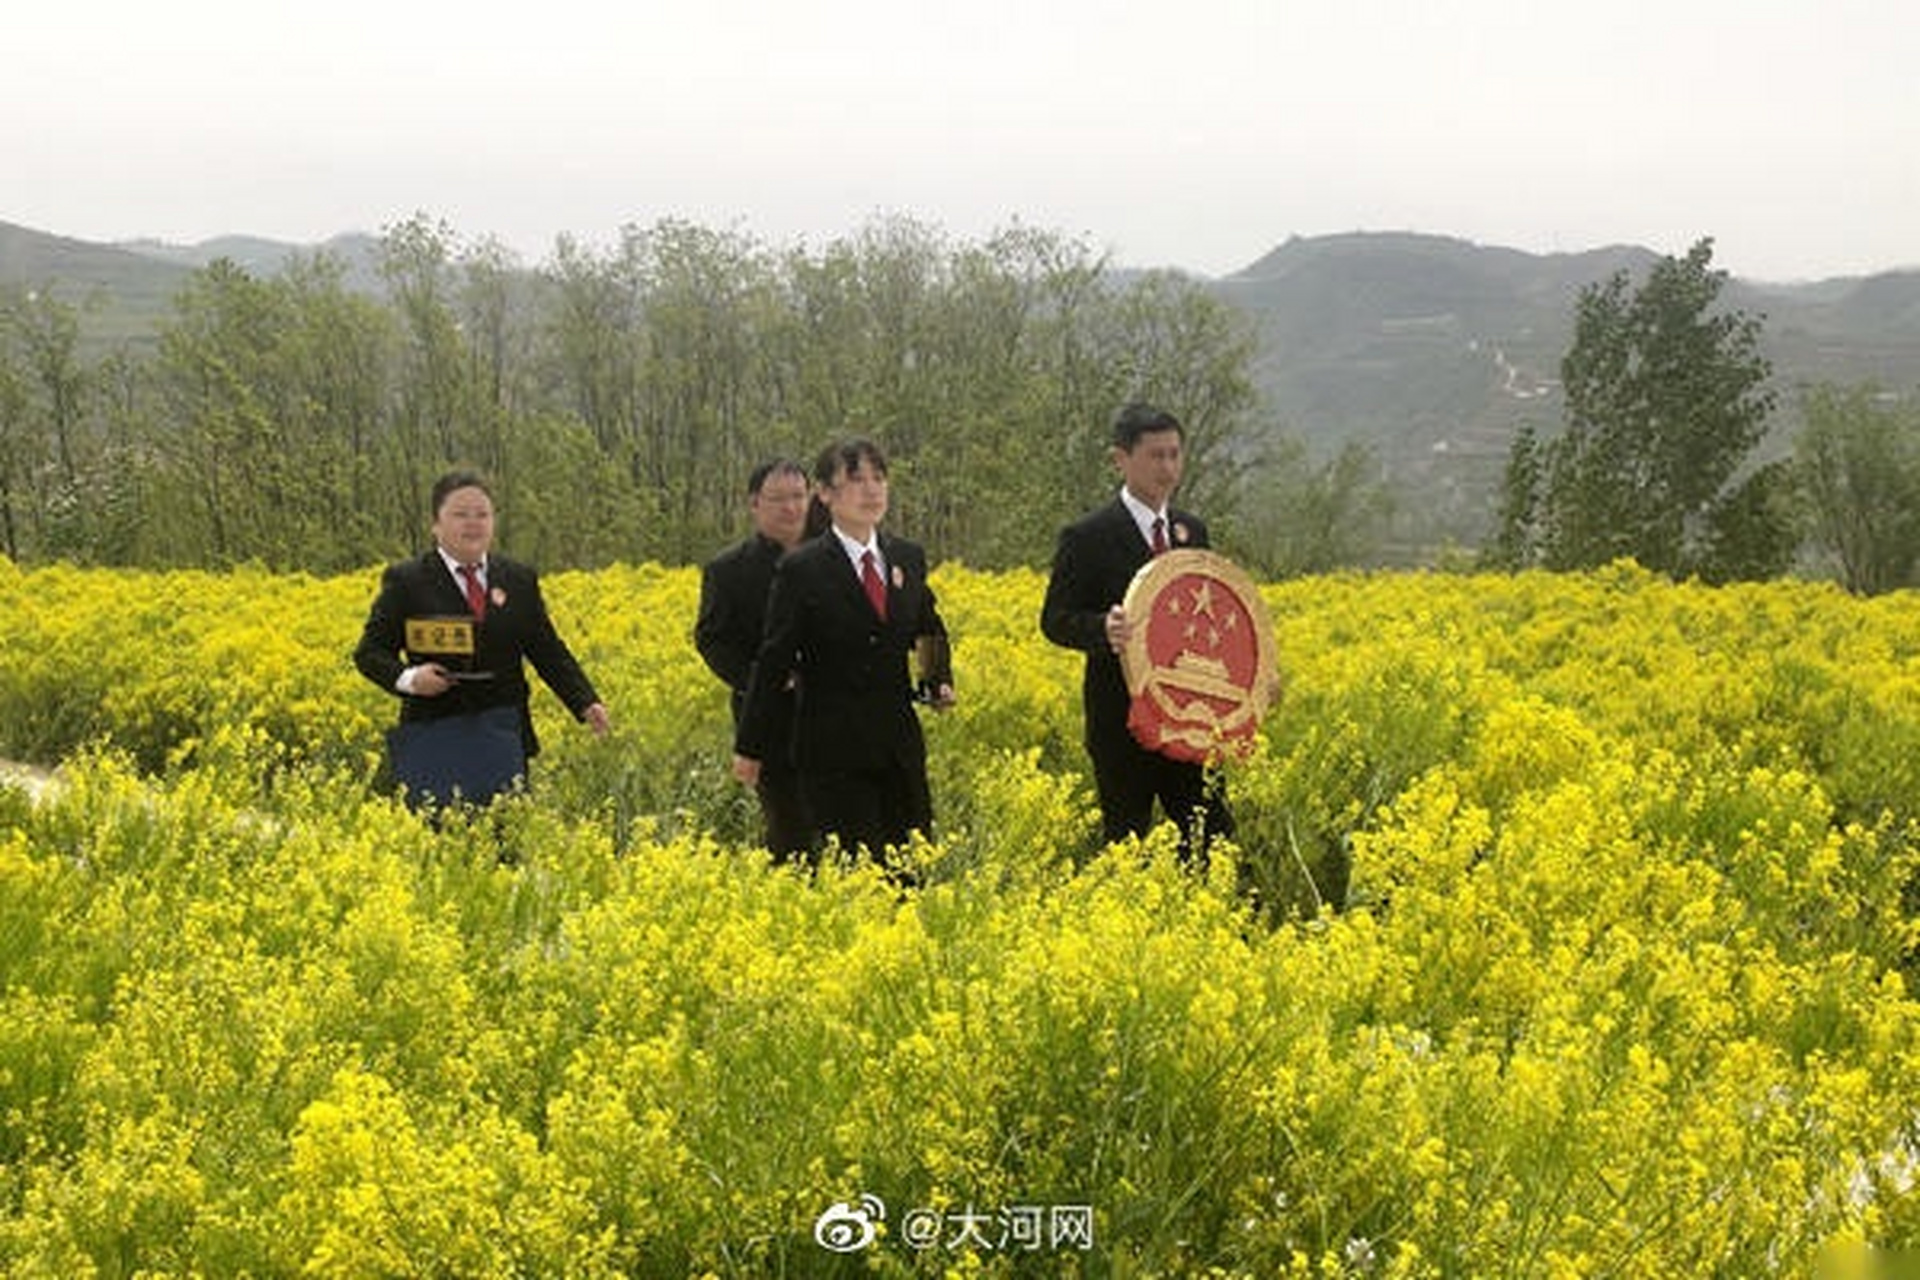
x: 618, y: 396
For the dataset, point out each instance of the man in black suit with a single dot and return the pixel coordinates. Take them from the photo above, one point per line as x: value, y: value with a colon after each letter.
x: 1094, y: 562
x: 732, y: 620
x: 449, y: 632
x: 846, y: 610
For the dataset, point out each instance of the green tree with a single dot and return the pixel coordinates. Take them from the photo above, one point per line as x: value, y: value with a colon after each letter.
x: 272, y: 397
x: 340, y: 358
x: 48, y: 333
x: 1518, y: 535
x: 489, y: 313
x: 1858, y: 460
x: 18, y: 451
x: 1665, y: 401
x: 46, y: 403
x: 1300, y: 516
x: 572, y: 503
x: 706, y: 390
x: 492, y: 309
x: 227, y: 445
x: 993, y: 369
x: 1755, y: 530
x: 589, y: 343
x: 1168, y: 342
x: 435, y: 421
x: 122, y: 528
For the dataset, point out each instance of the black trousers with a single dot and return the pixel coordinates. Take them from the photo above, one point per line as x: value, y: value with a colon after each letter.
x: 783, y: 807
x: 1129, y: 778
x: 873, y: 807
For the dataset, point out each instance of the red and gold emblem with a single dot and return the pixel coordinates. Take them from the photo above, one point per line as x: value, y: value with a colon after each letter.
x: 1200, y: 658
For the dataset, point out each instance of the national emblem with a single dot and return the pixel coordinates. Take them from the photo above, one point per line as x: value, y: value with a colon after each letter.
x: 1200, y: 661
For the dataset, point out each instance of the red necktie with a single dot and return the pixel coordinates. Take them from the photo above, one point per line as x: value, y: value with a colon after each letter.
x: 876, y: 590
x: 476, y: 598
x: 1159, y: 536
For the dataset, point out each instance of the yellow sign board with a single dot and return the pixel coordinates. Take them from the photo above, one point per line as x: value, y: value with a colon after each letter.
x: 429, y: 637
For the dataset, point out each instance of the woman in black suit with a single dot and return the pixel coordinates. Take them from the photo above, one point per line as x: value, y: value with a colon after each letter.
x: 846, y: 610
x: 449, y: 633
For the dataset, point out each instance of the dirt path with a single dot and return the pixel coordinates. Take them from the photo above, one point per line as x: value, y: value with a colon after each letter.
x: 32, y: 778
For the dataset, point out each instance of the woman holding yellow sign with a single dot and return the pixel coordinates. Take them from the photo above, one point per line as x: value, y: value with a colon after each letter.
x: 450, y: 633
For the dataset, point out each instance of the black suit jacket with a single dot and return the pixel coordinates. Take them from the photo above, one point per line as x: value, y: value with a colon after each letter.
x: 1093, y: 564
x: 853, y: 704
x: 733, y: 613
x: 516, y: 630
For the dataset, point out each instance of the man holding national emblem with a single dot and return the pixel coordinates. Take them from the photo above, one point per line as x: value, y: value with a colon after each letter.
x: 1094, y: 563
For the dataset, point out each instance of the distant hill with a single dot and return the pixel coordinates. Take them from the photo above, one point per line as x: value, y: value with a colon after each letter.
x: 359, y: 252
x: 126, y: 289
x: 1426, y: 338
x: 1431, y: 350
x: 1435, y: 351
x: 124, y: 293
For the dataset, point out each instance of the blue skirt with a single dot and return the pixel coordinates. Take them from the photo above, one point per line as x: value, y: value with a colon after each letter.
x: 458, y: 759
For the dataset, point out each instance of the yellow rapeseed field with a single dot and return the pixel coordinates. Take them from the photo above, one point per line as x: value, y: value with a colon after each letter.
x: 1569, y: 933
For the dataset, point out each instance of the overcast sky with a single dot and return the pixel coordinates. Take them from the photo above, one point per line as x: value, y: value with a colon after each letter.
x: 1190, y: 133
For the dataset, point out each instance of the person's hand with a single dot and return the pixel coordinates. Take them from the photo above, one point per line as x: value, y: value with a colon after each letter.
x: 1119, y: 630
x: 429, y: 680
x: 746, y: 770
x: 943, y: 697
x: 598, y: 718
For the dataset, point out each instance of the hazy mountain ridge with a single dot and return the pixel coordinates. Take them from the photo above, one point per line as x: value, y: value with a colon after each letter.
x: 1479, y: 332
x: 128, y: 287
x: 358, y: 251
x: 1434, y: 351
x: 1429, y: 349
x: 125, y: 292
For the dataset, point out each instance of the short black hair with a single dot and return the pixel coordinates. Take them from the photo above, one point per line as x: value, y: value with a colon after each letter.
x: 1138, y: 419
x: 845, y: 456
x: 782, y: 466
x: 453, y: 480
